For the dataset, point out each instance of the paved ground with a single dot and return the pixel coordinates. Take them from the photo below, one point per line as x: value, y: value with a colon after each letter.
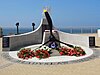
x: 91, y: 67
x: 86, y: 68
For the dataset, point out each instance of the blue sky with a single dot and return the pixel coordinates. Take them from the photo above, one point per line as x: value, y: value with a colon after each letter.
x: 63, y: 12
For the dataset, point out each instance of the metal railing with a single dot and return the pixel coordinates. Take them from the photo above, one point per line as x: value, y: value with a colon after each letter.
x: 80, y: 29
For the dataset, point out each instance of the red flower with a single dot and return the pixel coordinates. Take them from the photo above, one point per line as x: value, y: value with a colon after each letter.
x: 81, y: 55
x: 38, y: 56
x: 30, y: 57
x: 26, y: 58
x: 25, y: 54
x: 61, y: 53
x: 77, y: 51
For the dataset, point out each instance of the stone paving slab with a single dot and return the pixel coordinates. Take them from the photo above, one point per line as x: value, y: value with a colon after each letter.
x: 3, y: 62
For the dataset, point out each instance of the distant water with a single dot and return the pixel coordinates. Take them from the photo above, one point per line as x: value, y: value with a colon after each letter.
x: 9, y: 31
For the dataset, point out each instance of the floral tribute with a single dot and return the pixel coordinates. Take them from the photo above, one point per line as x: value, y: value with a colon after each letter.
x: 42, y: 54
x: 45, y: 51
x: 25, y: 53
x: 77, y: 51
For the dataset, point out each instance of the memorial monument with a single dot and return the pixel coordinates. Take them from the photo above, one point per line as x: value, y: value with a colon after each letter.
x: 52, y: 40
x: 46, y: 45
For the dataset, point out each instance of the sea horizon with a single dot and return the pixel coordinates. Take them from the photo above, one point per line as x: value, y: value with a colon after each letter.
x: 73, y: 30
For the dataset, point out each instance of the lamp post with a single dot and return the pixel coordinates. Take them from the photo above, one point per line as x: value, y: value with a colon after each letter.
x: 17, y: 24
x: 33, y: 24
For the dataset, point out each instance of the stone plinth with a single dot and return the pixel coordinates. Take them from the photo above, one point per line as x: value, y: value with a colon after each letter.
x: 46, y: 37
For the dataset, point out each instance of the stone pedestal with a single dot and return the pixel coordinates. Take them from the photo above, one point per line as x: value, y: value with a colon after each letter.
x: 46, y: 37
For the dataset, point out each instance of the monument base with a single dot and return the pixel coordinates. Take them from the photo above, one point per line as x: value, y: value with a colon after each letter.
x: 46, y: 37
